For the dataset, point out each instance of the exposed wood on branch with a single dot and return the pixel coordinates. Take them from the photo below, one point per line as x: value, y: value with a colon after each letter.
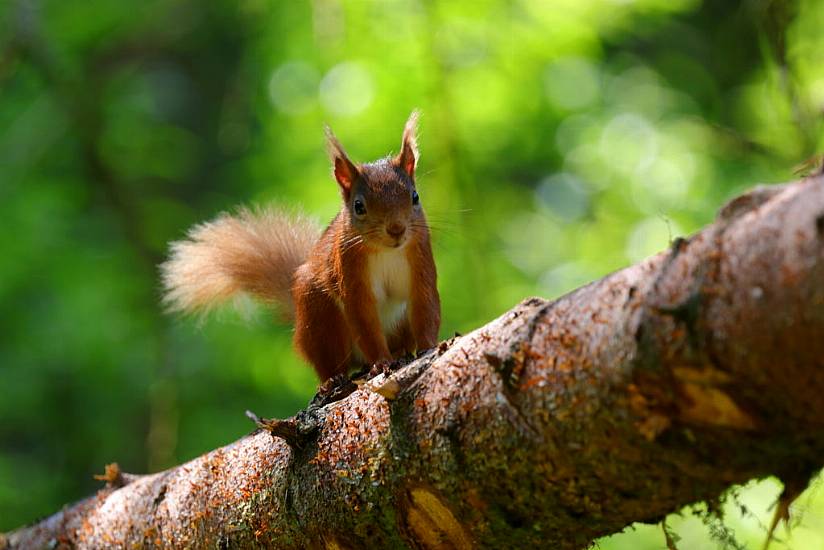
x: 559, y: 422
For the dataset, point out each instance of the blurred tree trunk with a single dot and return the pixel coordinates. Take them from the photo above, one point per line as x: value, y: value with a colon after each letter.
x: 559, y: 422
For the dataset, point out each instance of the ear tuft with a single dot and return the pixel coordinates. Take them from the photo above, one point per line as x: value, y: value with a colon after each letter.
x: 344, y: 170
x: 407, y: 159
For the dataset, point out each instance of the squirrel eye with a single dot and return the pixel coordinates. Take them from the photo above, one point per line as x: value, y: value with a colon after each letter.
x: 415, y: 198
x: 360, y: 209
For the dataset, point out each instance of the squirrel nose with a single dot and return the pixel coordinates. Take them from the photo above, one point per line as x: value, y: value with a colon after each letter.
x: 395, y: 229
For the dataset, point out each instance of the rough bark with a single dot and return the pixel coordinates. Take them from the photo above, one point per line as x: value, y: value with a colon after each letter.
x: 657, y: 386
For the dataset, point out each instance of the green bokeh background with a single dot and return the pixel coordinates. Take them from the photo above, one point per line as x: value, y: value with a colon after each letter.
x: 560, y: 140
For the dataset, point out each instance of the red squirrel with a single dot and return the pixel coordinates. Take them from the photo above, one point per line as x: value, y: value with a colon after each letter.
x: 363, y: 290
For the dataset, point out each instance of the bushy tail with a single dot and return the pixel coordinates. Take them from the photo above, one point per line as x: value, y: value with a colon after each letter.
x: 253, y: 251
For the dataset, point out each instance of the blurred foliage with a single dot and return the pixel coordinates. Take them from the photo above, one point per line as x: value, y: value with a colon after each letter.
x: 560, y: 140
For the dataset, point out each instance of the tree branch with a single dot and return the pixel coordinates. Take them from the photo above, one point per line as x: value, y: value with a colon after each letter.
x: 559, y: 422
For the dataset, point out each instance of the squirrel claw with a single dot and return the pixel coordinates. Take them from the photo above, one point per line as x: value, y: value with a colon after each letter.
x: 381, y: 366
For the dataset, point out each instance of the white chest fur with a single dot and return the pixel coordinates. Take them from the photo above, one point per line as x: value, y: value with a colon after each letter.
x: 390, y: 277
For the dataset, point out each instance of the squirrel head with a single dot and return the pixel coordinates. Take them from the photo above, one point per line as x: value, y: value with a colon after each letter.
x: 380, y: 198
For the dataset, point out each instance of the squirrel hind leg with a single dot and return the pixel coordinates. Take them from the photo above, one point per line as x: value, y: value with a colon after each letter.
x: 321, y: 334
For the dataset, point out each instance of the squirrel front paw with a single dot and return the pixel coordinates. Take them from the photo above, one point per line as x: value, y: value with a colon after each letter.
x: 381, y: 366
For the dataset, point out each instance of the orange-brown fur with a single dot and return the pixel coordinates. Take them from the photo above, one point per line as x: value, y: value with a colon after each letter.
x: 253, y: 251
x: 361, y: 267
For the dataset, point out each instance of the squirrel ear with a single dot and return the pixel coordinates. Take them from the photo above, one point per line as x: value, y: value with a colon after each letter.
x: 345, y: 172
x: 407, y: 159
